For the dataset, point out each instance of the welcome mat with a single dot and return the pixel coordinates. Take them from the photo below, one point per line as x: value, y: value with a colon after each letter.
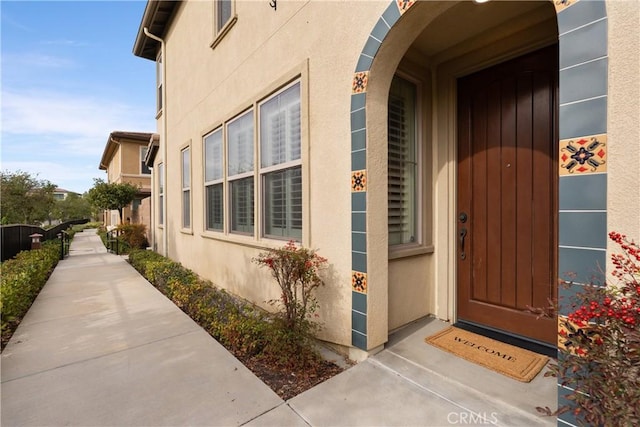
x: 517, y: 363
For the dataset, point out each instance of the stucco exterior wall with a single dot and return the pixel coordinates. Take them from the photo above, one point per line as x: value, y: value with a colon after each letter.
x: 265, y: 49
x: 623, y: 118
x: 322, y: 42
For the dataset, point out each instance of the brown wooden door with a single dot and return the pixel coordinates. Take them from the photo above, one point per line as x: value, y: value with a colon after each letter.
x: 507, y: 188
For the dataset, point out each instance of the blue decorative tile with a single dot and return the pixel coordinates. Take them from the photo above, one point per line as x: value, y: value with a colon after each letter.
x: 567, y: 300
x: 359, y: 202
x: 583, y: 44
x: 392, y: 14
x: 583, y: 118
x: 358, y: 120
x: 359, y: 160
x: 583, y: 192
x: 583, y: 155
x: 359, y: 242
x: 567, y: 416
x: 359, y: 302
x: 359, y: 322
x: 358, y: 101
x: 584, y: 229
x: 359, y: 262
x: 359, y: 140
x: 359, y: 340
x: 584, y: 81
x: 580, y: 13
x: 371, y: 47
x: 358, y: 221
x: 364, y: 63
x: 582, y: 265
x: 381, y: 30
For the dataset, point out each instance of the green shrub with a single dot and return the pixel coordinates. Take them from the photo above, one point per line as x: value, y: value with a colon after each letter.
x: 22, y: 279
x: 246, y: 330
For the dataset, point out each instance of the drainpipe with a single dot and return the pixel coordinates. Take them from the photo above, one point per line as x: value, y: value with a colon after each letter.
x: 163, y: 139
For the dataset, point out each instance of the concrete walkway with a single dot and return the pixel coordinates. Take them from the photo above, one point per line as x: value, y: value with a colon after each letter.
x: 102, y: 347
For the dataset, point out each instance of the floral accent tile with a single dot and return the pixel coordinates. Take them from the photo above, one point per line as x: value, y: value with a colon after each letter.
x: 360, y: 82
x: 404, y: 5
x: 570, y: 334
x: 359, y: 181
x: 563, y: 4
x: 583, y: 155
x: 359, y: 282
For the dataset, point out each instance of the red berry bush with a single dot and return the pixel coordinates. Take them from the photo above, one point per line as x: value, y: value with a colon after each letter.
x: 599, y: 354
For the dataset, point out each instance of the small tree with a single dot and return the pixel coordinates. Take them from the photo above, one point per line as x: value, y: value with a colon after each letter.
x: 296, y: 271
x: 112, y: 196
x: 74, y: 206
x: 25, y: 198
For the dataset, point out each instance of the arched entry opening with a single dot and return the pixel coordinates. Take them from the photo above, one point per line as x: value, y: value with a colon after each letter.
x: 430, y: 47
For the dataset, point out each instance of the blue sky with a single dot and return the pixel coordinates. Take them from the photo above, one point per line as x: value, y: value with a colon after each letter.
x: 69, y: 78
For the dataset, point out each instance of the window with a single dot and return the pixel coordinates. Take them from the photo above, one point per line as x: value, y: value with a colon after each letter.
x: 281, y: 164
x: 403, y: 196
x: 159, y: 82
x: 160, y: 193
x: 213, y: 181
x: 240, y: 172
x: 223, y: 14
x: 144, y: 169
x: 186, y: 188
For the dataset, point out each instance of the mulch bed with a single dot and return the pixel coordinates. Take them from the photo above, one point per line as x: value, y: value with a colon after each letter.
x: 287, y: 382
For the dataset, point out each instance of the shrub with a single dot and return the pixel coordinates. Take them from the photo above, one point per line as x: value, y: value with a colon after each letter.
x: 244, y: 329
x: 22, y: 279
x: 599, y: 356
x: 133, y: 235
x: 296, y: 271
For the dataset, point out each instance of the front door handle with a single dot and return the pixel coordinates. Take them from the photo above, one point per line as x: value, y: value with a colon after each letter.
x: 462, y: 234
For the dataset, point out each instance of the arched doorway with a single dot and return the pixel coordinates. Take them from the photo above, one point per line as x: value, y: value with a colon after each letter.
x: 433, y: 45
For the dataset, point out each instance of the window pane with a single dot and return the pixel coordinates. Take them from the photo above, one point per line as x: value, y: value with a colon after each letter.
x: 213, y: 156
x: 215, y: 213
x: 160, y: 193
x: 280, y: 128
x: 186, y: 172
x: 242, y: 205
x: 283, y: 203
x: 240, y: 136
x: 402, y: 162
x: 186, y: 209
x: 144, y: 169
x: 224, y: 12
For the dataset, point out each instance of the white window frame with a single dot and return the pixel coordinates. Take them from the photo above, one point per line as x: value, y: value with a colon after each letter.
x: 210, y: 181
x: 400, y: 248
x: 220, y: 29
x: 161, y: 194
x: 185, y: 180
x: 265, y: 171
x: 237, y: 176
x: 159, y: 84
x: 143, y: 153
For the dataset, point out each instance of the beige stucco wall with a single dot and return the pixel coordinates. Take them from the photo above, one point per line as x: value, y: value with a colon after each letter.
x: 322, y: 41
x: 623, y: 119
x: 205, y: 87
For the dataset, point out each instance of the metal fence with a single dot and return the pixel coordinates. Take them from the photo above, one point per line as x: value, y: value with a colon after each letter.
x: 16, y: 237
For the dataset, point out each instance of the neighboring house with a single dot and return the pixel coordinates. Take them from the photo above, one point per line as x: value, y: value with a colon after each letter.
x: 60, y: 193
x: 123, y: 160
x: 448, y: 158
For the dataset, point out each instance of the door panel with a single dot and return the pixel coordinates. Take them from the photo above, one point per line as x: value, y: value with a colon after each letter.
x: 507, y: 187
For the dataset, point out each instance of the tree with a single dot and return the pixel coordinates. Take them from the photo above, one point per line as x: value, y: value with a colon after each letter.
x: 112, y: 196
x: 25, y: 199
x: 74, y: 206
